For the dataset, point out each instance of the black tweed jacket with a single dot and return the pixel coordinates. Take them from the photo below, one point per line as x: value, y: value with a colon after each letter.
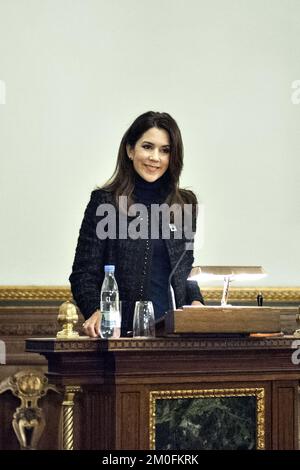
x: 132, y: 260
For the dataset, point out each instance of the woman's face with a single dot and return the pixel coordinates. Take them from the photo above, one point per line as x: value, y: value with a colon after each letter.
x: 151, y: 154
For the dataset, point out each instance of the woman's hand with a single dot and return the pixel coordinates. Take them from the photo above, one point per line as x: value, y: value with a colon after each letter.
x: 91, y: 326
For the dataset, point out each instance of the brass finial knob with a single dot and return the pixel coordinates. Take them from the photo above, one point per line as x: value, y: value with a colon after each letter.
x: 67, y: 318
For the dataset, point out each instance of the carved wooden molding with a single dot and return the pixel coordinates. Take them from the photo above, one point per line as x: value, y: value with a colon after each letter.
x: 27, y: 329
x: 28, y: 321
x: 85, y: 344
x: 211, y: 294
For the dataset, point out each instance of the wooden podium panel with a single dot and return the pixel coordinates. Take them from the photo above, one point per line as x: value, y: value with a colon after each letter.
x: 128, y: 391
x: 215, y: 319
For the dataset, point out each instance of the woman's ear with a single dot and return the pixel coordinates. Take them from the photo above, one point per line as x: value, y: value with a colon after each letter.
x: 129, y: 152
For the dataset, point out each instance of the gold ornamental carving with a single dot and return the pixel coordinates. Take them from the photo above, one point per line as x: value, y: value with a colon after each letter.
x: 35, y: 293
x: 28, y: 420
x: 68, y: 416
x: 244, y: 294
x: 67, y: 318
x: 259, y: 393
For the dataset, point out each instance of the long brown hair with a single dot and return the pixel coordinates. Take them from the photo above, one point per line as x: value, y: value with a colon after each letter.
x: 122, y: 181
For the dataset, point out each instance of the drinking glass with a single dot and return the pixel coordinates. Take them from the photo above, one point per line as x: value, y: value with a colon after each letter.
x: 143, y: 320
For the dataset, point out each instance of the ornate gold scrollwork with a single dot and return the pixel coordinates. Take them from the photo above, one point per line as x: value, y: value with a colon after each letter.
x: 243, y: 294
x: 28, y: 420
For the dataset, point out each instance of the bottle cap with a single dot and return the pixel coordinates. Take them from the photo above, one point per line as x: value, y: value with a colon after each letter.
x: 109, y: 268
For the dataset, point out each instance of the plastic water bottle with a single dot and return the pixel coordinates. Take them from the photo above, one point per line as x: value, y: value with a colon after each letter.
x: 110, y: 326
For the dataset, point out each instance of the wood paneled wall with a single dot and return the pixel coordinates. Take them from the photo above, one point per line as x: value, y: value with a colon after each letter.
x: 32, y: 312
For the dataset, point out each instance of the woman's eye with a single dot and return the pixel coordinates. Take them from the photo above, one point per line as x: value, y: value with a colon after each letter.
x: 166, y: 150
x: 146, y: 146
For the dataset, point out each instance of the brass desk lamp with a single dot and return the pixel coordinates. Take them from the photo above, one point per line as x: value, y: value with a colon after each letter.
x: 228, y: 274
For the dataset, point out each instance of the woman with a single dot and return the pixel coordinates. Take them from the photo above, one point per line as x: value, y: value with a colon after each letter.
x: 149, y: 165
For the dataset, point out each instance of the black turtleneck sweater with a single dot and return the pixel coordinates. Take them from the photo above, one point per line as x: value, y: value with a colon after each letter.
x: 147, y: 194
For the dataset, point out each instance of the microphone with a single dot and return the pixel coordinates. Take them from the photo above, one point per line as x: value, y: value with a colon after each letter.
x: 189, y: 245
x: 172, y: 300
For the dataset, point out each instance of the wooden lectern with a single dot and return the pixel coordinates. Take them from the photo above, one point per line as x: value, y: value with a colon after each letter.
x: 177, y: 392
x: 231, y: 319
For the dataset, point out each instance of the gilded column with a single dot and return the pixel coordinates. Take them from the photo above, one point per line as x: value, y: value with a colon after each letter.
x: 68, y: 416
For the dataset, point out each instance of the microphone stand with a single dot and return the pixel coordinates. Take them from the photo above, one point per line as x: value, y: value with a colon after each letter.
x: 171, y: 290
